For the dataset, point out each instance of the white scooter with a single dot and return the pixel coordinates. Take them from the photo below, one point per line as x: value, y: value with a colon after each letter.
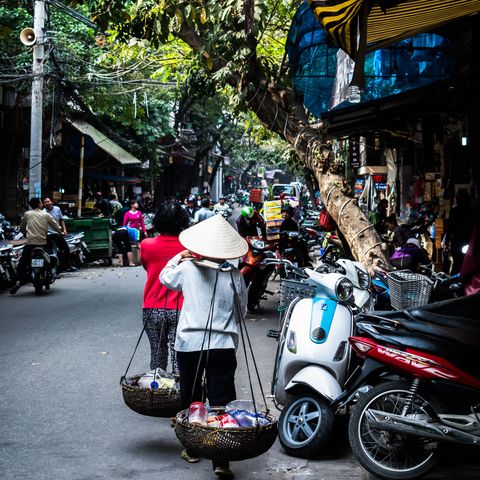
x: 313, y: 354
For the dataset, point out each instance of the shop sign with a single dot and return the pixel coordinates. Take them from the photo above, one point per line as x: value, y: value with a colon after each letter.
x: 354, y: 151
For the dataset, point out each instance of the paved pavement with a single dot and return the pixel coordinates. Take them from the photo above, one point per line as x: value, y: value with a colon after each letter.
x: 61, y: 408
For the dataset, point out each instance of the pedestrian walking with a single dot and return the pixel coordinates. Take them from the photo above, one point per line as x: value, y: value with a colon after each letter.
x: 160, y: 305
x: 204, y: 212
x: 134, y: 219
x: 210, y: 286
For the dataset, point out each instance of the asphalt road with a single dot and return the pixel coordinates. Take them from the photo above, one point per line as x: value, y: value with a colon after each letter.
x: 61, y: 408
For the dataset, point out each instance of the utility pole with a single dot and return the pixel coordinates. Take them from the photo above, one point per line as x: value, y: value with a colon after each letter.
x: 36, y: 126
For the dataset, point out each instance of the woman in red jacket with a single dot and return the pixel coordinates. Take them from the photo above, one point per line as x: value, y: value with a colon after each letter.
x: 161, y: 307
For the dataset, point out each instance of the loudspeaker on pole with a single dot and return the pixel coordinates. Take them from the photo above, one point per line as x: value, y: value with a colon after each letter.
x: 28, y: 37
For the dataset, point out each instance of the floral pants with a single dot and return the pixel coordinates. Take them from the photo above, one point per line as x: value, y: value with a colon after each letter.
x: 161, y: 327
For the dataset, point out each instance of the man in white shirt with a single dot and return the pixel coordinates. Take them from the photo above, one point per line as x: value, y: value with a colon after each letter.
x: 221, y: 208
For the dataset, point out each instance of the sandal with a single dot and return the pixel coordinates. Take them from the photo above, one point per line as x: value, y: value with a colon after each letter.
x: 188, y: 458
x: 224, y: 473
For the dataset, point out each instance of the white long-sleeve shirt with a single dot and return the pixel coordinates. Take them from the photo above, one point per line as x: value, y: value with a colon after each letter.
x: 196, y: 283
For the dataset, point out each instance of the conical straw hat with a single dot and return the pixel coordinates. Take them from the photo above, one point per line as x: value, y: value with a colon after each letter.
x: 214, y: 238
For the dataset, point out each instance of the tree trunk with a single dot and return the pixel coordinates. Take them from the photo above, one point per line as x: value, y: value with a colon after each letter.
x: 281, y: 111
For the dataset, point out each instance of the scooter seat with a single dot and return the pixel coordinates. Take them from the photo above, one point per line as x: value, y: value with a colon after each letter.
x: 463, y: 356
x: 457, y: 313
x: 449, y: 329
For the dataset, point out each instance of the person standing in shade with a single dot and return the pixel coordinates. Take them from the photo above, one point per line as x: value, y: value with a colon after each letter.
x: 103, y: 205
x: 191, y: 207
x: 459, y: 229
x: 56, y: 237
x: 215, y: 302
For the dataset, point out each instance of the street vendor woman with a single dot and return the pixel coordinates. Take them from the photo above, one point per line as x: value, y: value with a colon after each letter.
x: 214, y: 290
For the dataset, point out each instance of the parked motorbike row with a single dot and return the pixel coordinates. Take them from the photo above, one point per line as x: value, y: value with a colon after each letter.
x: 407, y: 377
x: 45, y: 261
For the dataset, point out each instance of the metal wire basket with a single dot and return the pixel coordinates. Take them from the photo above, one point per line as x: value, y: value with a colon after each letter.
x: 291, y: 289
x: 408, y: 289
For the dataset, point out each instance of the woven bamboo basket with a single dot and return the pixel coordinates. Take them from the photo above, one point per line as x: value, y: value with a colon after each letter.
x: 229, y: 444
x: 154, y: 403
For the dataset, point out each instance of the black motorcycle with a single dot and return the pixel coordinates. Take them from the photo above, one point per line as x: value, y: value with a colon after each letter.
x: 44, y: 267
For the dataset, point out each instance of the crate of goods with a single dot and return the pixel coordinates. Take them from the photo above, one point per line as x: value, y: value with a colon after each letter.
x: 292, y: 289
x: 272, y: 213
x: 256, y: 195
x: 408, y: 289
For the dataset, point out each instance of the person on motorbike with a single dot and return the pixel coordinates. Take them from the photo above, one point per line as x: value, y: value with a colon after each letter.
x: 221, y: 208
x: 34, y: 226
x: 248, y: 223
x: 59, y: 239
x: 288, y: 224
x: 400, y: 233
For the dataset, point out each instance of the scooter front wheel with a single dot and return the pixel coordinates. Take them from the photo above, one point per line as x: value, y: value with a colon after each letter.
x: 305, y: 425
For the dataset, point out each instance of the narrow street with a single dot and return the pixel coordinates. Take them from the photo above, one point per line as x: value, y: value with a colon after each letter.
x: 62, y: 411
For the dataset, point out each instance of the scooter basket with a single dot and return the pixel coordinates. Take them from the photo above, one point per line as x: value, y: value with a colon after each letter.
x: 408, y: 289
x: 227, y: 444
x: 292, y: 289
x: 150, y: 402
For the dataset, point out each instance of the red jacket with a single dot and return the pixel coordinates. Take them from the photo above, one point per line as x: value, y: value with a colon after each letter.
x: 154, y: 255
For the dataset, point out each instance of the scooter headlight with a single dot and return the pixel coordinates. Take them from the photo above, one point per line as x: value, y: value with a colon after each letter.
x: 344, y: 289
x: 258, y: 244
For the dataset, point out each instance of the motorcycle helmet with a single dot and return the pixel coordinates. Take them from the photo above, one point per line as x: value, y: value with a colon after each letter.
x: 247, y: 212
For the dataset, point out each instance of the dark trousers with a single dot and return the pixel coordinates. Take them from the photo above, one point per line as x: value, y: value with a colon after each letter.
x: 220, y: 378
x: 63, y: 248
x: 122, y: 241
x: 24, y: 263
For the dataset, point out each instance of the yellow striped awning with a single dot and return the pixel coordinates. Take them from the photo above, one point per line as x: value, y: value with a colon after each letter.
x: 385, y: 22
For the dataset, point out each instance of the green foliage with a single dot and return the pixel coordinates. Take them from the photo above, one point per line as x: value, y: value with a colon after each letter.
x: 15, y: 58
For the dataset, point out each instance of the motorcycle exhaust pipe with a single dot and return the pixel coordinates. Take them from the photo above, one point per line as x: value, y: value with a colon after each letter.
x: 418, y: 428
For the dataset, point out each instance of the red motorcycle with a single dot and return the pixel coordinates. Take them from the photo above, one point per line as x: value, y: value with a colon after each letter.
x: 423, y: 365
x: 255, y: 271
